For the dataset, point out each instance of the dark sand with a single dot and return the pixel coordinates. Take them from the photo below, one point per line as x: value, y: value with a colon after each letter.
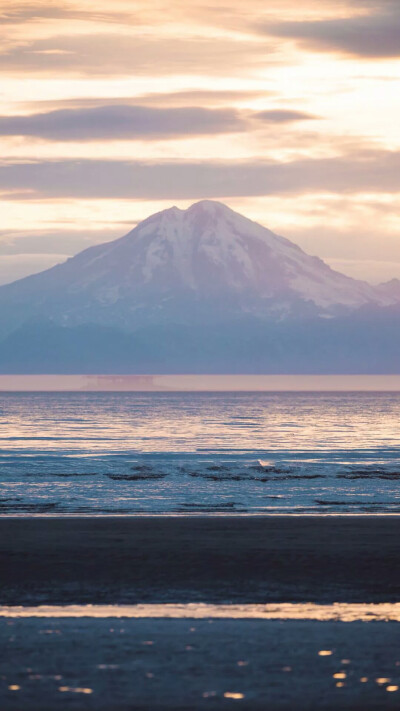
x: 227, y: 559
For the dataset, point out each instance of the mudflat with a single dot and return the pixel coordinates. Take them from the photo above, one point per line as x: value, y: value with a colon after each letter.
x: 210, y: 559
x: 165, y: 665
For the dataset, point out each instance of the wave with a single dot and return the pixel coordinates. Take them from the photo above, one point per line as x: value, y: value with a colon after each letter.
x: 369, y: 474
x: 25, y: 507
x: 62, y: 475
x: 135, y: 477
x: 208, y: 507
x: 233, y: 471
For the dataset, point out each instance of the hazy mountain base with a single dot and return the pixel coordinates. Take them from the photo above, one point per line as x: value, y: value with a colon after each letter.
x: 366, y: 342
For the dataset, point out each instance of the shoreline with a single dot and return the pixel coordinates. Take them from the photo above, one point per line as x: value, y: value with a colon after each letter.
x: 336, y: 612
x: 197, y: 515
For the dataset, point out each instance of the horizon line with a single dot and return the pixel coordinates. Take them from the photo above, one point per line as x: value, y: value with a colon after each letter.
x: 164, y: 383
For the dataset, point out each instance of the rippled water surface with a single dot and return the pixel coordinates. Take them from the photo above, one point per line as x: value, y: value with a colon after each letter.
x: 199, y: 452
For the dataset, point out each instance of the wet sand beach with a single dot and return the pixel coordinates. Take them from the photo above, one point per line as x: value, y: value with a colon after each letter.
x: 209, y: 559
x: 119, y: 663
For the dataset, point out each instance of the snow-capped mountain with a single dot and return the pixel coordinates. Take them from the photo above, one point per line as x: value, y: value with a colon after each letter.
x: 207, y: 254
x: 185, y: 272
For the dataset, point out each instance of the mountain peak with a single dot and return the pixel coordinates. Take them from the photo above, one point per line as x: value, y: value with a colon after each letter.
x: 211, y: 207
x: 203, y: 209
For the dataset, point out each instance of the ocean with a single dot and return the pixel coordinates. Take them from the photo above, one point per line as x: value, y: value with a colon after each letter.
x: 125, y: 453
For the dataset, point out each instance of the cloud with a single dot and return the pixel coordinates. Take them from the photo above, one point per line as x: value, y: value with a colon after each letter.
x: 375, y: 34
x: 373, y: 171
x: 129, y: 121
x: 23, y: 13
x: 227, y: 14
x: 107, y: 54
x: 122, y: 122
x: 190, y: 97
x: 283, y: 116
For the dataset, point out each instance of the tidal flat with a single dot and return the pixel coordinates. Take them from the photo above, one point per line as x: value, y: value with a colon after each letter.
x: 166, y: 664
x: 321, y: 576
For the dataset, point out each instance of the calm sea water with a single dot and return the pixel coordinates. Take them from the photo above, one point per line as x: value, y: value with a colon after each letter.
x: 125, y: 453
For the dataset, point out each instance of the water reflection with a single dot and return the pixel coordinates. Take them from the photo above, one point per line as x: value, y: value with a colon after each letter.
x: 199, y: 453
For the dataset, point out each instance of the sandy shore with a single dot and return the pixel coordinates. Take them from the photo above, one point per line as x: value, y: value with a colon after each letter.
x: 188, y: 559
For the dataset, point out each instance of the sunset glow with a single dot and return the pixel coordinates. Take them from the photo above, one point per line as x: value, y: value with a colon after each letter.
x: 307, y: 95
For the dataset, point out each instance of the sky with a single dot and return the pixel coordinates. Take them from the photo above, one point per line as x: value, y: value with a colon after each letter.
x: 288, y: 112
